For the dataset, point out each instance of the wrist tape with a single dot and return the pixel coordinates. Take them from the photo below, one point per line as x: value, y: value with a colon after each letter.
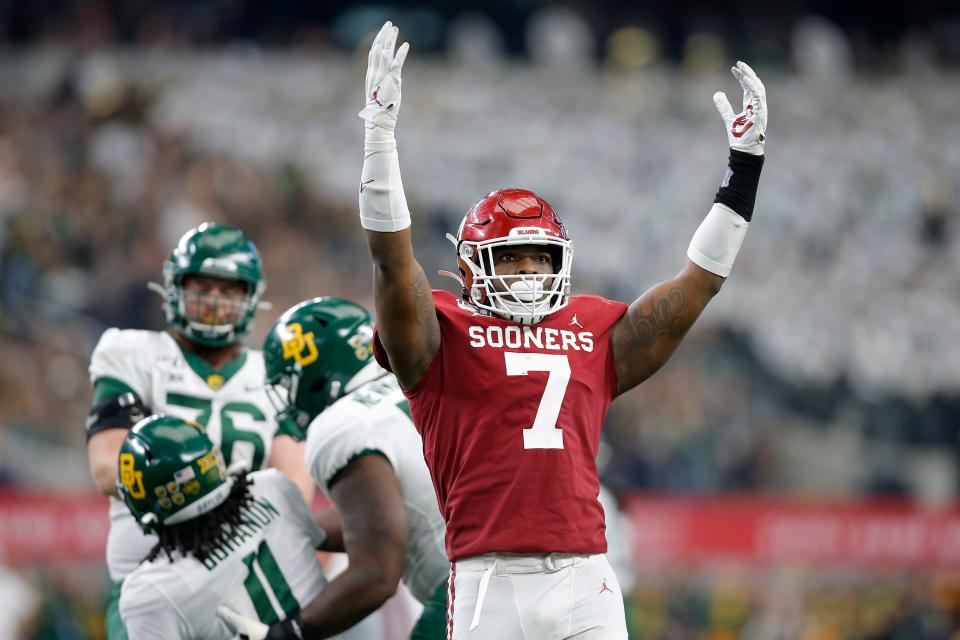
x: 715, y: 245
x: 383, y: 205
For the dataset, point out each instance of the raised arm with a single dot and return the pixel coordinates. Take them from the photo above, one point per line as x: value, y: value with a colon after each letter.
x: 406, y: 318
x: 652, y: 328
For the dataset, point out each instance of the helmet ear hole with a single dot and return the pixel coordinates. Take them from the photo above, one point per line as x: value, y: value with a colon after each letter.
x: 149, y: 521
x: 318, y: 385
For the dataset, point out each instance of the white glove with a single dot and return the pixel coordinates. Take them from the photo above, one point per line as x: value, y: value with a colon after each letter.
x: 242, y: 625
x: 746, y: 130
x: 383, y: 79
x: 383, y: 205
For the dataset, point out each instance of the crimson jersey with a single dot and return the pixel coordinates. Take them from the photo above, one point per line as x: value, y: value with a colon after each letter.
x: 510, y: 417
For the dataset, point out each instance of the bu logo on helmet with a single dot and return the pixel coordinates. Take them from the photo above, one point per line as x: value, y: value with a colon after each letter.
x: 298, y: 345
x: 130, y: 477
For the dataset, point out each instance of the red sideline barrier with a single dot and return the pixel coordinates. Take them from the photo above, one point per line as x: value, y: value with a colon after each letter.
x: 41, y: 526
x: 759, y: 530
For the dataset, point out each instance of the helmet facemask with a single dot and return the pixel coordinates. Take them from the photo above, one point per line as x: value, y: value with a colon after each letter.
x: 512, y: 218
x: 522, y: 298
x: 296, y: 407
x: 213, y: 319
x: 281, y: 390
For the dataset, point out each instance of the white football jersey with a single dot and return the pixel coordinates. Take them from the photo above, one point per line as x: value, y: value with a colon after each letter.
x: 268, y: 570
x: 231, y: 404
x: 376, y: 417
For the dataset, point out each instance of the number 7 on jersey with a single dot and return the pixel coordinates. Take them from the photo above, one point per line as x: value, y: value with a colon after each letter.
x: 544, y: 433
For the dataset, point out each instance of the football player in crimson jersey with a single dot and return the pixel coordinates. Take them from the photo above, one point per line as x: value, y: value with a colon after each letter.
x: 510, y: 382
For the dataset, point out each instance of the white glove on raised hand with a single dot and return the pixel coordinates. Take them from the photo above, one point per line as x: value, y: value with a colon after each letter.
x: 746, y: 130
x: 383, y: 79
x: 245, y: 627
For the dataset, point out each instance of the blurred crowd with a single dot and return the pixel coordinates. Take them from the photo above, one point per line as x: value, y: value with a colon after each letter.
x: 830, y: 348
x: 793, y: 603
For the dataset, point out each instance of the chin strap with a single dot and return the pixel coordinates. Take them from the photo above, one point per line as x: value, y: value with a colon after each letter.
x: 159, y: 289
x: 450, y: 274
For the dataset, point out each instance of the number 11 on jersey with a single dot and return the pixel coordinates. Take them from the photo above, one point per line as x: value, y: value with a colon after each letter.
x: 544, y: 434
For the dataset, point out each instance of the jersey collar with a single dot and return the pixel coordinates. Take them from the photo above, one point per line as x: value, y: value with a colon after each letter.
x: 215, y: 378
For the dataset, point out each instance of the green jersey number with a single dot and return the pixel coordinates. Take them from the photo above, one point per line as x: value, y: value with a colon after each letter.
x: 229, y: 434
x: 263, y: 573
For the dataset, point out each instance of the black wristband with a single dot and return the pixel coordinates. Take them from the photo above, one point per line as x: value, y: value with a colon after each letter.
x: 293, y: 628
x: 288, y: 629
x: 739, y: 187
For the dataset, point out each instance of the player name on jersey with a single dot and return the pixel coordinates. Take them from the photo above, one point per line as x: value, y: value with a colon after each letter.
x: 255, y: 515
x: 519, y: 337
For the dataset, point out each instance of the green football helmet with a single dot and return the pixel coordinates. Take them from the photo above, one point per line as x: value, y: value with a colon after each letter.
x: 170, y: 472
x: 314, y: 354
x: 220, y: 251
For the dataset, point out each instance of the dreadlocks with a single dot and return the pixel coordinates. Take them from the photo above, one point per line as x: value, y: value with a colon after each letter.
x: 197, y: 537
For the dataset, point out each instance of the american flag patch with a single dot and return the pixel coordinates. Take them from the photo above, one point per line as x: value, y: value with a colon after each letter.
x: 184, y: 475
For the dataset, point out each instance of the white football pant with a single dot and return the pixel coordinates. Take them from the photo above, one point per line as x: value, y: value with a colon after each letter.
x: 554, y: 596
